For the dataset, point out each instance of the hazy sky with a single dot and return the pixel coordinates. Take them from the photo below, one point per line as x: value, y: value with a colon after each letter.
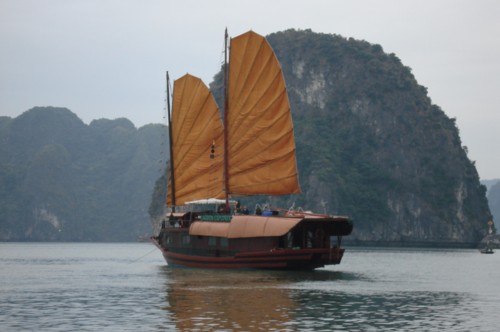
x: 107, y: 58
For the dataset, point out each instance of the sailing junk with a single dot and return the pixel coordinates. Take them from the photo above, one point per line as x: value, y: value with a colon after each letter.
x: 251, y: 153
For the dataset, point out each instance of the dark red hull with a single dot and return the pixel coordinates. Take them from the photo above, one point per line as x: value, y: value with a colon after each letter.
x: 288, y: 259
x: 253, y: 242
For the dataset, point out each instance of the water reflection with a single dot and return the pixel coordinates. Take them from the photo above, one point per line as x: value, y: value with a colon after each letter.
x: 388, y: 311
x: 208, y: 300
x: 229, y: 300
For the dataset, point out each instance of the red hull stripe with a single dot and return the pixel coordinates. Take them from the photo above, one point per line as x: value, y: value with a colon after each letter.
x: 249, y: 260
x: 275, y: 259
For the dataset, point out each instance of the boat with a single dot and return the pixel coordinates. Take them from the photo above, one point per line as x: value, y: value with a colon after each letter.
x: 248, y: 149
x: 487, y: 250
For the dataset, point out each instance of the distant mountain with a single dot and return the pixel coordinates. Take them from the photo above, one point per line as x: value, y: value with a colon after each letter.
x: 490, y: 183
x: 61, y: 179
x: 371, y: 145
x: 493, y: 194
x: 494, y: 202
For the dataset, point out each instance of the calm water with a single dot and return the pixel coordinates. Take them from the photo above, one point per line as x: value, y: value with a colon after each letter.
x: 128, y: 287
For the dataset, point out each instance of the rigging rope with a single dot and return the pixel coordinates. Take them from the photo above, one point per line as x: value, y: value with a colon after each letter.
x: 135, y: 260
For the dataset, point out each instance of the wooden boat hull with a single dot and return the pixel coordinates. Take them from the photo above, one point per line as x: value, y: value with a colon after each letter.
x: 287, y: 259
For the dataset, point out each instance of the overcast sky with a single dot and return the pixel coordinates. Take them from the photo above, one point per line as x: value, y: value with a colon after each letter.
x: 107, y: 58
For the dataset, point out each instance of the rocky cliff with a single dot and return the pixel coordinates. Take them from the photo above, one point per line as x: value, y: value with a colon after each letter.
x: 372, y: 145
x: 63, y: 180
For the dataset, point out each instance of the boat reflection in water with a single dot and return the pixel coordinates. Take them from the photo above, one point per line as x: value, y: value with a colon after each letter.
x: 231, y: 300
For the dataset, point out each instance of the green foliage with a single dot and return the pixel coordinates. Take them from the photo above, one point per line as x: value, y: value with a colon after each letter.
x: 63, y: 180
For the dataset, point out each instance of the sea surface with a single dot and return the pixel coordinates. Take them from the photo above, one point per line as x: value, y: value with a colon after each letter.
x: 128, y: 287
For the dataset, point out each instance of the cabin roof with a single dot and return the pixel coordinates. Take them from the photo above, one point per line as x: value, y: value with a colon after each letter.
x: 245, y: 227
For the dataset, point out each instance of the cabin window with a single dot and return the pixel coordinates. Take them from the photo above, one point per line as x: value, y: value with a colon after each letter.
x: 223, y: 242
x: 212, y: 241
x: 309, y: 239
x: 288, y: 240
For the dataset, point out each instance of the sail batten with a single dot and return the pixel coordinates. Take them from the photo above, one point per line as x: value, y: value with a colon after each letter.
x: 244, y: 155
x: 252, y: 81
x: 256, y: 108
x: 261, y: 146
x: 197, y: 133
x: 196, y: 126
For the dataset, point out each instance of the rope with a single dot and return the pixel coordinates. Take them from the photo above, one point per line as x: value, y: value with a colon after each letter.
x: 135, y: 260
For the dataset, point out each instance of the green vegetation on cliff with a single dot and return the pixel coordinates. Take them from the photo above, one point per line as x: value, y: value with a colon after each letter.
x: 372, y: 145
x: 61, y: 179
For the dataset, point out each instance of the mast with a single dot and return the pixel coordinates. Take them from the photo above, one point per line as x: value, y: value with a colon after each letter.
x: 172, y: 179
x: 226, y: 173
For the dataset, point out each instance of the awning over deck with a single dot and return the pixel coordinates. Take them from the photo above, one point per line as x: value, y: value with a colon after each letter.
x: 245, y: 227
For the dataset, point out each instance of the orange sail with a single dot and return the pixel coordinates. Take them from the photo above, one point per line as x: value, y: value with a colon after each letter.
x: 260, y: 141
x: 261, y: 146
x: 196, y: 128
